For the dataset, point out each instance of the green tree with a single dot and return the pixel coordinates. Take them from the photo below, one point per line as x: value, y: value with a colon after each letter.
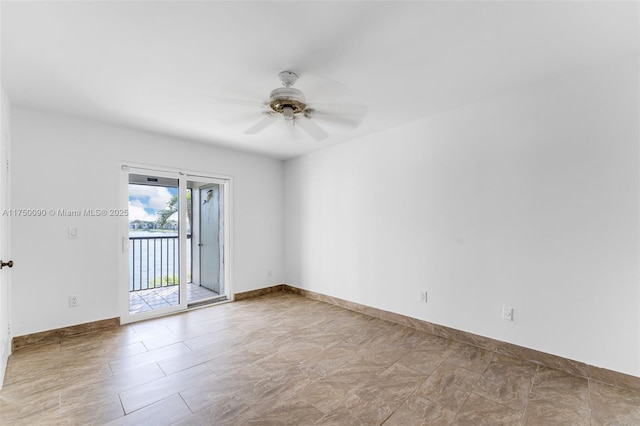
x: 172, y: 207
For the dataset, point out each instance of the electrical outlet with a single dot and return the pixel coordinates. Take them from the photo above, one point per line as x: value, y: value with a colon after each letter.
x: 73, y: 301
x: 423, y: 296
x: 507, y: 313
x: 72, y: 233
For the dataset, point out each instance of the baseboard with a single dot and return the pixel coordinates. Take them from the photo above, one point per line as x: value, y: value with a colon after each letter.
x: 570, y: 366
x: 54, y: 336
x: 278, y: 288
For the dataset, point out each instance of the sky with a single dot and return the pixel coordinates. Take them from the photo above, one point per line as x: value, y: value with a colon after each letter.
x: 146, y: 200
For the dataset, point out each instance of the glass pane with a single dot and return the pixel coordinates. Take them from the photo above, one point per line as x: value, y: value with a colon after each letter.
x: 154, y: 247
x: 207, y: 242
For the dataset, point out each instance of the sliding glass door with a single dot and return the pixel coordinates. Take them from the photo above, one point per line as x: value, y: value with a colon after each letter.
x: 174, y: 242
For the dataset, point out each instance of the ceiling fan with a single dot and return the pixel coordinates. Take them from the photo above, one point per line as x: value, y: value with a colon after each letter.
x: 290, y: 105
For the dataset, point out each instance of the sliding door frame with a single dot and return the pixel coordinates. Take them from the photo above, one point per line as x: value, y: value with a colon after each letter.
x: 183, y: 176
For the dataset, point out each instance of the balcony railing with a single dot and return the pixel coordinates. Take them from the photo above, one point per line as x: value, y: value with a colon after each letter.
x: 153, y: 262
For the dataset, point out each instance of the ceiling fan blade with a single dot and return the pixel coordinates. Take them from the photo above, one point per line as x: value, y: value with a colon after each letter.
x: 350, y: 115
x: 236, y: 101
x: 350, y: 122
x: 268, y: 120
x: 309, y: 126
x: 346, y: 110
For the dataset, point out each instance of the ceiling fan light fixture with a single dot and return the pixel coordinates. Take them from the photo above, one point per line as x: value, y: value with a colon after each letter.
x: 287, y: 113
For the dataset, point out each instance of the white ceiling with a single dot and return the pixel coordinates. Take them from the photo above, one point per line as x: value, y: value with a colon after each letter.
x: 163, y: 66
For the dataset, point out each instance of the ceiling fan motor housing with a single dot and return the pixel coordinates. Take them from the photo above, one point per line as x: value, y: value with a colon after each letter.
x: 287, y: 101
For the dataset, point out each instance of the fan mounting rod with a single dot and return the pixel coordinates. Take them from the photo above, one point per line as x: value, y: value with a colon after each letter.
x: 288, y: 78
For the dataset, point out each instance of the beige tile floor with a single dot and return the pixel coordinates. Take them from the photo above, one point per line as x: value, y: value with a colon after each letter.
x: 284, y: 359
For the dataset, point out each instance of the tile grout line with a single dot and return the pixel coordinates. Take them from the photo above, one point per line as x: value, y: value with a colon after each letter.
x: 417, y: 387
x: 589, y: 395
x: 489, y: 399
x: 457, y: 412
x: 124, y: 413
x: 526, y: 405
x: 185, y: 403
x: 403, y: 401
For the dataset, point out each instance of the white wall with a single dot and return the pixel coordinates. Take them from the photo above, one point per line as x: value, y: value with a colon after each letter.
x: 529, y: 200
x: 5, y: 275
x: 64, y: 162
